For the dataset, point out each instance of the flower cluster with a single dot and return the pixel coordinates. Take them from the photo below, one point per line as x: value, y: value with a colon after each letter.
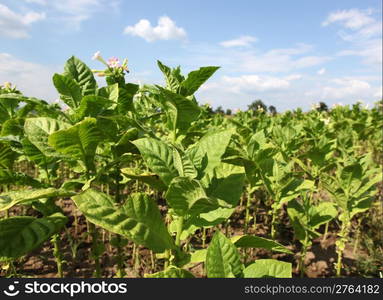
x: 113, y: 66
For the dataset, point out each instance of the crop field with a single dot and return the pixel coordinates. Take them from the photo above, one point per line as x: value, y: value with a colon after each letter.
x: 129, y: 180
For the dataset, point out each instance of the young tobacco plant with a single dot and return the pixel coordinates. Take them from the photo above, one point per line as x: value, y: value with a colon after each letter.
x: 352, y: 188
x: 305, y: 218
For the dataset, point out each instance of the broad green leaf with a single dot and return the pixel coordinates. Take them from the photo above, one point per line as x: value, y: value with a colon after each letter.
x: 181, y: 111
x: 20, y: 235
x: 81, y: 74
x: 211, y: 218
x: 222, y: 258
x: 92, y: 106
x: 253, y: 241
x: 172, y: 81
x: 125, y: 97
x: 262, y: 268
x: 7, y: 156
x: 9, y: 199
x: 158, y: 156
x: 227, y: 183
x: 184, y: 165
x: 138, y: 219
x: 70, y: 91
x: 78, y: 141
x: 13, y: 127
x: 148, y: 178
x: 109, y: 92
x: 195, y: 79
x: 198, y: 256
x: 321, y: 214
x: 207, y: 152
x: 187, y: 197
x: 18, y: 179
x: 38, y: 130
x: 172, y: 272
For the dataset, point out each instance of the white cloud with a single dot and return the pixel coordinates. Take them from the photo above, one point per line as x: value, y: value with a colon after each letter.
x: 166, y: 29
x: 14, y: 25
x: 31, y: 78
x: 242, y: 41
x: 352, y: 18
x: 279, y: 60
x: 251, y: 83
x: 346, y: 89
x: 321, y: 71
x: 40, y: 2
x: 362, y: 31
x: 72, y: 13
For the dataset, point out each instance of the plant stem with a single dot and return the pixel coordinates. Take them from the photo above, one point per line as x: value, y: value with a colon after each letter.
x: 95, y: 250
x: 325, y: 232
x: 247, y: 213
x: 203, y: 237
x: 273, y: 221
x: 303, y: 257
x: 57, y: 255
x: 180, y: 225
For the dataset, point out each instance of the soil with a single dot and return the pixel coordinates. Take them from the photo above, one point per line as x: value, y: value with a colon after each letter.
x: 319, y: 261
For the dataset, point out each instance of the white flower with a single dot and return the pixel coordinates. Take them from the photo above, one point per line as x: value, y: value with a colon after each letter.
x: 97, y: 55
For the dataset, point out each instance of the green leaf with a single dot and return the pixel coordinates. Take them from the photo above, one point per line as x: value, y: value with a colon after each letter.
x: 172, y: 272
x: 9, y: 199
x: 172, y: 81
x: 138, y: 219
x: 70, y: 91
x: 321, y: 214
x: 125, y: 97
x: 222, y: 258
x: 252, y: 241
x: 181, y: 112
x: 38, y: 130
x: 195, y: 79
x: 207, y: 152
x: 20, y: 235
x: 7, y: 156
x: 198, y: 256
x: 262, y: 268
x: 13, y: 127
x: 148, y: 178
x: 81, y: 74
x: 227, y: 183
x: 92, y: 106
x: 158, y: 156
x: 187, y: 196
x: 78, y: 141
x: 184, y: 165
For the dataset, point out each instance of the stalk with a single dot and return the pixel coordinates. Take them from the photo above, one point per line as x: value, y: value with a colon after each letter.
x: 325, y: 232
x: 57, y: 254
x: 303, y: 257
x: 119, y: 256
x: 340, y: 245
x: 180, y: 225
x: 247, y: 214
x: 203, y: 237
x: 95, y: 250
x: 273, y: 223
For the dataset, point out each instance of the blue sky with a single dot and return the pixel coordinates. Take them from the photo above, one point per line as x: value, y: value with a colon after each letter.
x: 287, y: 53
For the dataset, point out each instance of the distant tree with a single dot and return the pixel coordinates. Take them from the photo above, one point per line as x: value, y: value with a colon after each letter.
x: 228, y: 112
x: 272, y: 110
x: 257, y: 105
x: 322, y: 107
x: 219, y: 110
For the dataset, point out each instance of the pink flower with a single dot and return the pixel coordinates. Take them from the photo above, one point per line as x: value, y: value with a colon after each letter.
x: 113, y: 62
